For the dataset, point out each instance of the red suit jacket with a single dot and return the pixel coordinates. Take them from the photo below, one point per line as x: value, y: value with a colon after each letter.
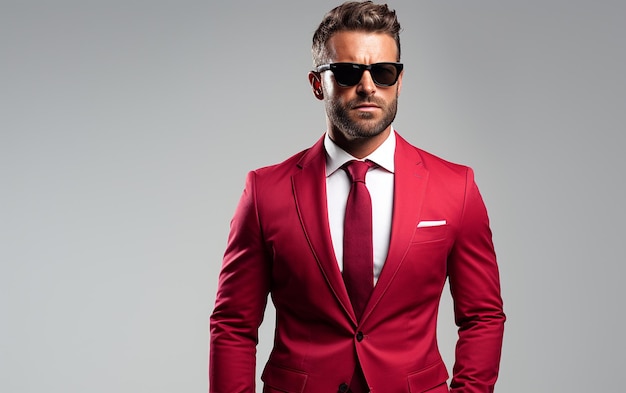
x: 280, y: 244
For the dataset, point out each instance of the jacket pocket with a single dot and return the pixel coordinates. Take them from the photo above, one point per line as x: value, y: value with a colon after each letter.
x: 283, y: 380
x: 429, y: 234
x: 432, y: 377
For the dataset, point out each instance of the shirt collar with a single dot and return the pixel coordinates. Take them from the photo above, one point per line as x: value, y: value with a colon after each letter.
x: 383, y: 156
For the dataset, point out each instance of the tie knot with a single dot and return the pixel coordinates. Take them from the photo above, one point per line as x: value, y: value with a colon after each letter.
x: 357, y: 169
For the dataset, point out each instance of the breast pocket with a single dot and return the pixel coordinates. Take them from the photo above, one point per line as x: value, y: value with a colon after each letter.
x: 430, y: 234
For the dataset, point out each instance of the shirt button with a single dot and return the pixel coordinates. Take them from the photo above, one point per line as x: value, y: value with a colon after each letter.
x: 343, y: 388
x: 359, y: 336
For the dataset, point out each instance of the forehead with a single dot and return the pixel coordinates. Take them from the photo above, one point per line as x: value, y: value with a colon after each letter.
x: 361, y: 47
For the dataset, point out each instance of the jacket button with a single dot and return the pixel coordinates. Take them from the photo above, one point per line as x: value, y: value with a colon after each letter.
x: 359, y: 336
x: 343, y: 388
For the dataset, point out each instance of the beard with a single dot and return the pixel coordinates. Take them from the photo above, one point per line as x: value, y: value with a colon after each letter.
x: 354, y: 124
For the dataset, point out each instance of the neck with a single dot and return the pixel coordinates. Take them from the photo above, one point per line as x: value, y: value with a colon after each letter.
x: 359, y: 147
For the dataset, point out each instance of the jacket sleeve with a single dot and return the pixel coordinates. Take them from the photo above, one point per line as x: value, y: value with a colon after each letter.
x: 478, y: 309
x: 240, y: 303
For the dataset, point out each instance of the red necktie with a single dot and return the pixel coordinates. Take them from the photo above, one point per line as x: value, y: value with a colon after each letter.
x: 358, y: 254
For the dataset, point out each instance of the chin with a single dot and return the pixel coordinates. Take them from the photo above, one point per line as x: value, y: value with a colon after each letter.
x: 365, y: 116
x: 365, y: 132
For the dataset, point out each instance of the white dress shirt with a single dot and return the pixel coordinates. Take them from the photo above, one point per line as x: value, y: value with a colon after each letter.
x: 379, y: 182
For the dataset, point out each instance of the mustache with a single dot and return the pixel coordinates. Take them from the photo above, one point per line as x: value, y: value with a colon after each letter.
x: 369, y: 100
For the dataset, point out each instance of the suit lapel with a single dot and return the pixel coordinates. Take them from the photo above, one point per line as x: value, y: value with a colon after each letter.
x: 309, y: 187
x: 410, y: 183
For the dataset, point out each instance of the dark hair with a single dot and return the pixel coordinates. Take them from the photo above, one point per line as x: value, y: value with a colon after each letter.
x: 355, y: 16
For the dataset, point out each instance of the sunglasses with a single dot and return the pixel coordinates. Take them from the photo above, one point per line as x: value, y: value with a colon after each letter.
x: 349, y: 74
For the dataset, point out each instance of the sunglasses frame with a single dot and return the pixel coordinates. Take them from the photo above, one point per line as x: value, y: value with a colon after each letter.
x: 362, y: 68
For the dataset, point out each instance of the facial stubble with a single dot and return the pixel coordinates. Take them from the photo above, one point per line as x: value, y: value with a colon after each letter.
x: 364, y: 126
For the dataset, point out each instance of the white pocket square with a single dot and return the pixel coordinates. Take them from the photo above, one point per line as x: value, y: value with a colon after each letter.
x: 424, y: 224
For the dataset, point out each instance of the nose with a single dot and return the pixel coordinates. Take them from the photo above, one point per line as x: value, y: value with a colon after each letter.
x: 366, y: 85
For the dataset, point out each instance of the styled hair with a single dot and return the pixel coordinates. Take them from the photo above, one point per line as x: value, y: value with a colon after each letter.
x: 354, y: 16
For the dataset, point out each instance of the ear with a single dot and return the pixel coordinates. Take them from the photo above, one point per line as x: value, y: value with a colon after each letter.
x: 316, y: 85
x: 400, y: 82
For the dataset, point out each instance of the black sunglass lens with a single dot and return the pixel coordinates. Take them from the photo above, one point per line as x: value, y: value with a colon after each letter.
x: 384, y: 74
x: 347, y: 74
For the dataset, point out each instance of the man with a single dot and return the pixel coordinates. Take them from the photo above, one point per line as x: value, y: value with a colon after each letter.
x: 356, y: 262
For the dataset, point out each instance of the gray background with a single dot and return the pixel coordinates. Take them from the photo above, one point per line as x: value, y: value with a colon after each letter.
x: 127, y: 128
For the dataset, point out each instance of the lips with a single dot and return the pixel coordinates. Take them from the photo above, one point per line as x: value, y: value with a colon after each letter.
x: 367, y: 106
x: 370, y: 103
